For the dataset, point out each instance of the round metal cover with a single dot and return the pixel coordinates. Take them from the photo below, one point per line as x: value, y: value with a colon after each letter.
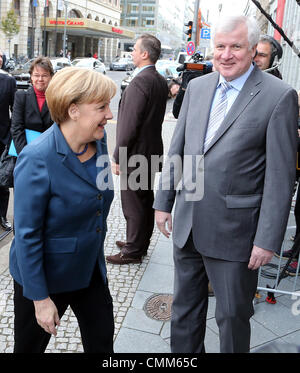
x: 158, y: 307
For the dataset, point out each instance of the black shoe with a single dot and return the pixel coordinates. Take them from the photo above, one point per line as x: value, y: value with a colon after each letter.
x: 5, y: 224
x: 292, y: 269
x: 285, y: 255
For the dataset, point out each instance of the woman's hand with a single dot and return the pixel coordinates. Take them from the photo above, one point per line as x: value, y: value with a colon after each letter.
x: 46, y: 315
x: 115, y: 168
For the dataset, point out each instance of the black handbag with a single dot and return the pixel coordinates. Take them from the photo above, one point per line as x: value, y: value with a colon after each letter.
x: 7, y: 165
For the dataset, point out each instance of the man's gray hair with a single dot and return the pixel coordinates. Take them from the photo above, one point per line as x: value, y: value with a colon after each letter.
x: 266, y: 39
x: 229, y: 24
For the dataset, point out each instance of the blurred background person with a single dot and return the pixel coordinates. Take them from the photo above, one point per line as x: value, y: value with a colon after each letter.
x: 292, y: 268
x: 56, y: 257
x: 30, y: 107
x: 173, y: 86
x: 268, y: 54
x: 7, y: 93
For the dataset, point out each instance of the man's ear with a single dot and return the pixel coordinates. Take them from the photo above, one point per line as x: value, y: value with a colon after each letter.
x: 73, y: 112
x: 145, y: 55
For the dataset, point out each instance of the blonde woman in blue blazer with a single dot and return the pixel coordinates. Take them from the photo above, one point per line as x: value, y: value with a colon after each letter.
x: 63, y: 192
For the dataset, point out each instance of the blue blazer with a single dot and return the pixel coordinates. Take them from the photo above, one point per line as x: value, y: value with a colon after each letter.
x: 59, y: 217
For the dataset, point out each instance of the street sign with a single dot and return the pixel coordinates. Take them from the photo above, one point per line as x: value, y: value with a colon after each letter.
x: 190, y: 49
x: 205, y: 33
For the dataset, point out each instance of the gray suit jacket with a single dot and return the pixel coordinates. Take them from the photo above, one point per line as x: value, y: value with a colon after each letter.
x: 249, y: 168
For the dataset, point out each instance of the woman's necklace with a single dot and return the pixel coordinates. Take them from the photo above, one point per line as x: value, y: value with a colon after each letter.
x: 84, y: 150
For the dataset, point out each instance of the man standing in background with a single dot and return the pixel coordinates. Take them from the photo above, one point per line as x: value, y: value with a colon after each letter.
x: 140, y: 117
x: 266, y: 52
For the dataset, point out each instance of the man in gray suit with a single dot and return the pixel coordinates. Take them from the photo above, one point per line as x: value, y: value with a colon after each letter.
x: 244, y: 122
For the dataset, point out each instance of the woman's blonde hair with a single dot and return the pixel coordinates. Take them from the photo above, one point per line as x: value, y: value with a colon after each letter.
x: 75, y: 85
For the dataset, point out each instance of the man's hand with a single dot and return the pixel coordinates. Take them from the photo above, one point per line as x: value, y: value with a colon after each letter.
x: 259, y: 257
x: 115, y: 168
x: 161, y: 219
x: 46, y: 315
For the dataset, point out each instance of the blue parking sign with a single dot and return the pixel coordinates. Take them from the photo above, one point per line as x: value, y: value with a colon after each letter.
x: 205, y: 33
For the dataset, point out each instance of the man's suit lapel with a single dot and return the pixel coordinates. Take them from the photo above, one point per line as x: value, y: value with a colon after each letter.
x: 200, y: 114
x: 249, y: 91
x: 69, y: 160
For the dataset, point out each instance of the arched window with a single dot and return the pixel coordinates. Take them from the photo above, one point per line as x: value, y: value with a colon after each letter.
x: 97, y: 19
x: 89, y: 16
x: 103, y: 20
x: 74, y: 14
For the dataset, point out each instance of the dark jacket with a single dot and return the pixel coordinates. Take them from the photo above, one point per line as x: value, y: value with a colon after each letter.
x: 57, y: 248
x: 7, y: 93
x: 26, y: 115
x: 141, y: 114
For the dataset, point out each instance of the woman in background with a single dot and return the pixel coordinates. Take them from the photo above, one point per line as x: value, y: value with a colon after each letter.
x: 30, y: 109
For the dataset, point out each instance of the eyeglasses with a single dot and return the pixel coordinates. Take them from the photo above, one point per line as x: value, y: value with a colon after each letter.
x: 35, y: 76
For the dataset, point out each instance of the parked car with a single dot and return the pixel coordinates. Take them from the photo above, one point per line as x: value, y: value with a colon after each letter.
x: 22, y: 76
x: 122, y: 63
x: 90, y: 63
x: 167, y: 68
x: 125, y: 82
x: 59, y: 63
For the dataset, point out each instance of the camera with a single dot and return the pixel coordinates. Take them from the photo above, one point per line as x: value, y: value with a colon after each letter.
x: 190, y: 70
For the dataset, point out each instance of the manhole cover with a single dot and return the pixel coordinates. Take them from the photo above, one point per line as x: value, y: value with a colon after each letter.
x: 158, y: 307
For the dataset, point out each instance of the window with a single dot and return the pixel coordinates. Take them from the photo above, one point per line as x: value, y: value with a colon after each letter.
x: 133, y: 8
x: 148, y: 9
x: 132, y: 22
x: 17, y: 7
x: 74, y: 14
x: 146, y: 22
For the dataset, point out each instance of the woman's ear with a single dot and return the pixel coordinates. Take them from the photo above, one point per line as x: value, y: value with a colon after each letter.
x: 73, y: 112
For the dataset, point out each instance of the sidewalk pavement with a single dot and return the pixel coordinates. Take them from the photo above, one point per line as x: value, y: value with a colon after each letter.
x: 141, y: 318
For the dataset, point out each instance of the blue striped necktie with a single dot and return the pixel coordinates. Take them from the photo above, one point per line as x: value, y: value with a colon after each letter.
x: 217, y: 114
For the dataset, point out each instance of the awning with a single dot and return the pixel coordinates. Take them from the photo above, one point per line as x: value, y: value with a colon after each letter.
x: 87, y: 27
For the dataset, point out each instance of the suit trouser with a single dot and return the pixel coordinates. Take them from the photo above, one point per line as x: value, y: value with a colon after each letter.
x: 4, y: 192
x: 92, y: 306
x: 139, y: 215
x: 234, y: 288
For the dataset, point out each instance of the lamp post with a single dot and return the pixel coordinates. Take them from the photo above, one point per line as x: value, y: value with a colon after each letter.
x: 65, y: 28
x: 49, y: 48
x: 220, y: 9
x: 195, y: 22
x: 45, y: 34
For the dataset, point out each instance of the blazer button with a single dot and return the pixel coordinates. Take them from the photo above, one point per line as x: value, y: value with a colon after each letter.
x: 98, y: 229
x: 99, y: 196
x: 98, y: 213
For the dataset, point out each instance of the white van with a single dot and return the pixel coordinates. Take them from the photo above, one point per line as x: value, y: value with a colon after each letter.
x: 182, y: 57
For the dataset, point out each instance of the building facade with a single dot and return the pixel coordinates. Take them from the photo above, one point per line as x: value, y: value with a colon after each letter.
x: 162, y: 18
x: 90, y: 26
